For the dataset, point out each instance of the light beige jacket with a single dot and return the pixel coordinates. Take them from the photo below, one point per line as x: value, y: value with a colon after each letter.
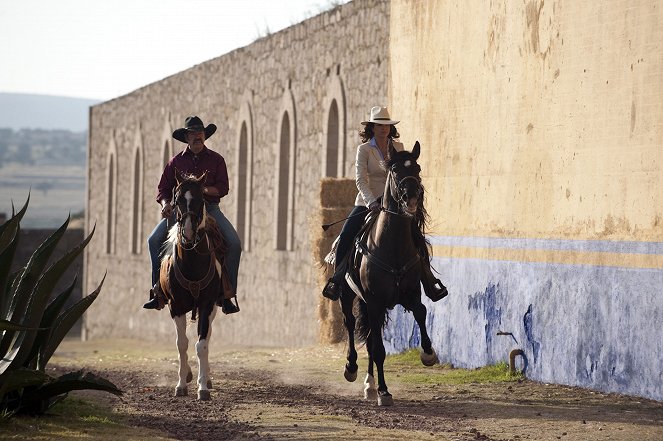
x: 371, y: 172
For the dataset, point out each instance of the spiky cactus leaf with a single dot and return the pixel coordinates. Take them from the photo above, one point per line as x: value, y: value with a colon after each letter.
x: 63, y: 324
x: 7, y: 230
x: 38, y: 391
x: 6, y: 259
x: 78, y: 380
x: 20, y: 378
x: 10, y: 356
x: 32, y: 273
x: 6, y: 325
x: 39, y: 299
x: 50, y: 314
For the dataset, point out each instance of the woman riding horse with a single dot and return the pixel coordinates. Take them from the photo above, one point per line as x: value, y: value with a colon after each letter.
x: 371, y: 174
x: 386, y: 271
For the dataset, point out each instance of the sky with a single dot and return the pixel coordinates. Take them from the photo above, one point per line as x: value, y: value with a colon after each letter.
x: 104, y: 49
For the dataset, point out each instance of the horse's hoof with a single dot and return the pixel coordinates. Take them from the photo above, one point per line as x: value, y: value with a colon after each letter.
x: 349, y: 375
x: 181, y: 392
x: 189, y: 377
x: 209, y: 384
x: 429, y: 359
x: 203, y: 395
x: 385, y: 399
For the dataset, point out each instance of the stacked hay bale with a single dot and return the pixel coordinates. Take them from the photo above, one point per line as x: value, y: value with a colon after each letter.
x: 337, y: 196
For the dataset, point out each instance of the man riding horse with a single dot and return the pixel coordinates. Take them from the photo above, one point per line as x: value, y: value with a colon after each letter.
x: 196, y: 159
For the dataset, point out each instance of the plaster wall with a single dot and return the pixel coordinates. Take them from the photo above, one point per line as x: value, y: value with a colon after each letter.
x: 542, y: 155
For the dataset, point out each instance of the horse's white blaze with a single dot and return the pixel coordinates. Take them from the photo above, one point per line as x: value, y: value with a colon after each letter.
x: 182, y: 346
x: 189, y: 197
x: 188, y: 228
x: 407, y: 163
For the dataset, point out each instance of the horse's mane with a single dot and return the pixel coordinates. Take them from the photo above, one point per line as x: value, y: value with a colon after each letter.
x: 421, y: 223
x: 168, y: 247
x: 421, y: 216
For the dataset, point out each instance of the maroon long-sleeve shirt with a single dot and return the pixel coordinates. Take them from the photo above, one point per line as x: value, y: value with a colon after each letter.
x: 186, y: 162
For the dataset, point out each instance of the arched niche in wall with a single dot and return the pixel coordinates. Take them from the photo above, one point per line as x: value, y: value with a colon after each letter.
x: 137, y: 181
x: 333, y: 128
x: 111, y: 195
x: 167, y: 141
x: 285, y: 173
x: 243, y: 176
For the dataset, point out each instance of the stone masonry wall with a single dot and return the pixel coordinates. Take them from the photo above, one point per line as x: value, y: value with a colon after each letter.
x: 341, y: 54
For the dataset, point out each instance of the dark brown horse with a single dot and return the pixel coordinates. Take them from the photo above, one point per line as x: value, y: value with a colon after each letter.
x: 190, y: 277
x: 387, y: 271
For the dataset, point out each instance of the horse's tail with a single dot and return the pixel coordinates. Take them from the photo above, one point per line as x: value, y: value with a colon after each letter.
x: 363, y: 325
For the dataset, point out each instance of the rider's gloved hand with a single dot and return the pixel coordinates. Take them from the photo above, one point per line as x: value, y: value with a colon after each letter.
x: 375, y: 206
x: 166, y: 210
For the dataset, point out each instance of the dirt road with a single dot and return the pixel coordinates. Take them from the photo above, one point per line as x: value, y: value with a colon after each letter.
x: 300, y: 394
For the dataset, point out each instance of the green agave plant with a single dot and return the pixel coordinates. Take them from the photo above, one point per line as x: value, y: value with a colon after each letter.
x: 31, y: 327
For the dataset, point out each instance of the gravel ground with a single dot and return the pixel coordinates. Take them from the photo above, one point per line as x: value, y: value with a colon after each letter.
x: 273, y: 394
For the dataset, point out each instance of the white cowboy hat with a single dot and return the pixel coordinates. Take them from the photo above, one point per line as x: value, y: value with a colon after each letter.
x: 380, y: 115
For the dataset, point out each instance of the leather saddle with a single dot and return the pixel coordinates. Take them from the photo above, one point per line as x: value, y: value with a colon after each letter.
x: 358, y: 252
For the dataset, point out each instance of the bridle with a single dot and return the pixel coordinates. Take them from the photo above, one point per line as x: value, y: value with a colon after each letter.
x: 398, y: 189
x: 195, y: 222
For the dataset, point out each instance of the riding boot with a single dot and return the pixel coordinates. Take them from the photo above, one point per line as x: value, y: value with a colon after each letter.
x: 226, y: 296
x: 433, y: 288
x: 332, y: 289
x: 157, y: 300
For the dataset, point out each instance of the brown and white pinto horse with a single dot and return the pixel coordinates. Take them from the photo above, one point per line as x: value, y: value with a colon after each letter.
x: 190, y: 277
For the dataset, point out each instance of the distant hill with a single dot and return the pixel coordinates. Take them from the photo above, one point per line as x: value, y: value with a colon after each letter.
x: 42, y: 153
x: 25, y: 111
x: 47, y: 164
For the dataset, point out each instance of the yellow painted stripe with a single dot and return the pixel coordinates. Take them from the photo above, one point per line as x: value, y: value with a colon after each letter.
x: 593, y: 258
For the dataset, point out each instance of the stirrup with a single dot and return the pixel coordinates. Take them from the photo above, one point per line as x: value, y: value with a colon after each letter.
x: 332, y: 290
x: 228, y: 307
x: 436, y: 291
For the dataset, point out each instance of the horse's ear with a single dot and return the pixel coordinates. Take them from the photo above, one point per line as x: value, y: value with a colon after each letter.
x: 178, y: 176
x: 203, y: 177
x: 416, y: 150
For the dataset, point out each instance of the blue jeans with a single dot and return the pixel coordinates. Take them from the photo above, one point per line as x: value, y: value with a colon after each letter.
x: 350, y: 230
x: 234, y: 246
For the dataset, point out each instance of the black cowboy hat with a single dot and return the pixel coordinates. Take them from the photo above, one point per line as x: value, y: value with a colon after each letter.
x: 193, y: 124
